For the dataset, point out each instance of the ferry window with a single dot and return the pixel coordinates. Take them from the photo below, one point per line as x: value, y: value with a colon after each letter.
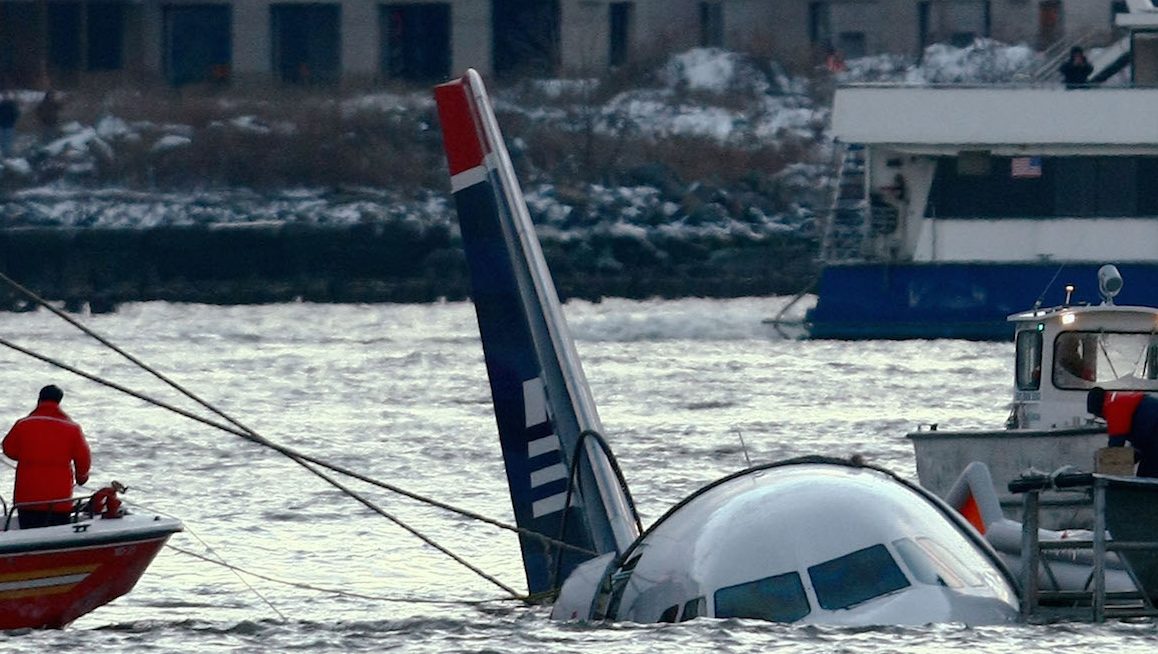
x: 1075, y: 360
x: 856, y: 577
x: 669, y: 614
x: 778, y: 599
x: 693, y: 609
x: 1113, y: 360
x: 1028, y: 371
x: 993, y: 191
x: 1032, y: 186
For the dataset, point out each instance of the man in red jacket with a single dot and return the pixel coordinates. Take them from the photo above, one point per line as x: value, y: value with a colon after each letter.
x: 48, y: 448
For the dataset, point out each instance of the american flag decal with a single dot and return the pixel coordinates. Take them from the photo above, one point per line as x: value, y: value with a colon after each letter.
x: 1025, y: 167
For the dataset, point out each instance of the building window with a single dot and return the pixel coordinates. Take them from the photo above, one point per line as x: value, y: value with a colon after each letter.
x: 621, y: 16
x: 86, y: 36
x: 711, y: 24
x: 526, y: 36
x: 962, y: 39
x: 197, y: 46
x: 852, y: 44
x: 820, y: 24
x: 1049, y: 22
x: 415, y: 41
x: 306, y: 42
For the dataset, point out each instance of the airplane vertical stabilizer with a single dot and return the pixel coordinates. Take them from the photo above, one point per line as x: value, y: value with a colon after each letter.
x: 541, y: 399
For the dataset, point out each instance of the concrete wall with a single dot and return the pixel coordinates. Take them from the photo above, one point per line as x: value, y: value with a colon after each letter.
x: 774, y: 28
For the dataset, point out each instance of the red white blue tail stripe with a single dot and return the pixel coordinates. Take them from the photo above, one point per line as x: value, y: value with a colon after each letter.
x: 541, y: 398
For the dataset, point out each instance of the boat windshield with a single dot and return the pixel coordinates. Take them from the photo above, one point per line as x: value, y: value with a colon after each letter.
x: 1112, y: 360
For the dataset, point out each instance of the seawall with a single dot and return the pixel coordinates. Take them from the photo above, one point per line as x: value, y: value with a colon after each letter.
x: 284, y: 262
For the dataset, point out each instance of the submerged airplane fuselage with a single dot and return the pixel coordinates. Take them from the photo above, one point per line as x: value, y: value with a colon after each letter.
x: 809, y: 540
x: 813, y: 540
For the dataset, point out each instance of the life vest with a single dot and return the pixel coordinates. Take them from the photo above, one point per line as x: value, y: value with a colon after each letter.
x: 105, y: 502
x: 1118, y: 409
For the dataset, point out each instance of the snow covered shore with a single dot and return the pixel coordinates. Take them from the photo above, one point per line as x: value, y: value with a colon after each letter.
x: 705, y: 178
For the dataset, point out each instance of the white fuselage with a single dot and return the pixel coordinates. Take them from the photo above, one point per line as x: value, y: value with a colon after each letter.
x: 808, y: 542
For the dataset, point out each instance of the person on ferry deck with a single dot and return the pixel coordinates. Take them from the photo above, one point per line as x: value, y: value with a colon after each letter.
x: 1076, y: 70
x: 1132, y: 417
x: 50, y: 453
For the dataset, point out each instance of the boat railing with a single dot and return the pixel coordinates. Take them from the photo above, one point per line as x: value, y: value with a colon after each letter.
x: 1046, y: 69
x: 1102, y: 603
x: 79, y: 509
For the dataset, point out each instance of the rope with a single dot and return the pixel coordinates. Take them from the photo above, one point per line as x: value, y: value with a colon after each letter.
x: 238, y: 571
x: 241, y: 430
x: 572, y: 481
x: 332, y: 591
x: 288, y: 451
x: 300, y: 459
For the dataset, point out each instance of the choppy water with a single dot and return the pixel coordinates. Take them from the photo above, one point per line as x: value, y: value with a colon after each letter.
x: 399, y: 393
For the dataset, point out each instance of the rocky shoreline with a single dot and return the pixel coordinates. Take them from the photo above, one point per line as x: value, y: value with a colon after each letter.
x: 262, y: 263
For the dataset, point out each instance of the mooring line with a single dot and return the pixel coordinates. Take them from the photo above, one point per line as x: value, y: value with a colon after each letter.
x: 245, y: 432
x: 301, y: 460
x: 334, y: 591
x: 239, y: 572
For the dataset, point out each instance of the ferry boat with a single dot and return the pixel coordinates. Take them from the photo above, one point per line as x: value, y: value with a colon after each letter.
x: 959, y: 205
x: 1060, y: 353
x: 50, y: 576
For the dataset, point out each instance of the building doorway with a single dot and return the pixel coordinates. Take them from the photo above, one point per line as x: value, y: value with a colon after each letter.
x: 526, y: 36
x: 415, y: 40
x: 621, y: 18
x: 306, y: 42
x: 197, y: 44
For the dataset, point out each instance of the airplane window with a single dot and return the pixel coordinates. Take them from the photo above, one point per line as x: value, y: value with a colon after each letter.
x: 950, y: 560
x: 669, y: 614
x: 778, y: 599
x: 856, y: 577
x: 693, y: 609
x: 924, y: 567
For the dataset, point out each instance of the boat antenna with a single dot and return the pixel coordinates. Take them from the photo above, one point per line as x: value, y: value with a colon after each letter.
x: 1041, y: 298
x: 743, y: 445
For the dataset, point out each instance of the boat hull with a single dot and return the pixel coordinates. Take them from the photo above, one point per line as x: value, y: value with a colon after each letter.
x: 954, y: 300
x: 942, y: 455
x: 51, y: 576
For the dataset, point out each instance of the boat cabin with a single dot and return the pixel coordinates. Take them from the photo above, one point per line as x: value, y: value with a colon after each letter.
x: 1062, y: 352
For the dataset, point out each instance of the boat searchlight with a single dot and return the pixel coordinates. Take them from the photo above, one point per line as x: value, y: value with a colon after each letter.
x: 1109, y: 283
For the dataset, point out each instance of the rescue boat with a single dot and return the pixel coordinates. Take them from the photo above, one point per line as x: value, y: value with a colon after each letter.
x: 50, y: 576
x: 1060, y: 353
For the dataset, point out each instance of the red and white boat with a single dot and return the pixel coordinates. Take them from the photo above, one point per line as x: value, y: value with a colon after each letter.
x: 50, y: 576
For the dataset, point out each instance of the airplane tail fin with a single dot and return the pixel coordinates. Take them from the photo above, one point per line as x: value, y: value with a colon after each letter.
x: 563, y: 482
x: 975, y: 497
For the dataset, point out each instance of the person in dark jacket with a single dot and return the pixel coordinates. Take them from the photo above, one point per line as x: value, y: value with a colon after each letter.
x: 1076, y: 70
x: 51, y: 454
x: 1130, y: 417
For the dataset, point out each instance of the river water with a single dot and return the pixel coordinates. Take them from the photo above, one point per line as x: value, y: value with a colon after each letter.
x: 399, y: 393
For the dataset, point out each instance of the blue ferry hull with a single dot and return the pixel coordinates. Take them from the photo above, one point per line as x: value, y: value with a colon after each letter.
x: 956, y: 300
